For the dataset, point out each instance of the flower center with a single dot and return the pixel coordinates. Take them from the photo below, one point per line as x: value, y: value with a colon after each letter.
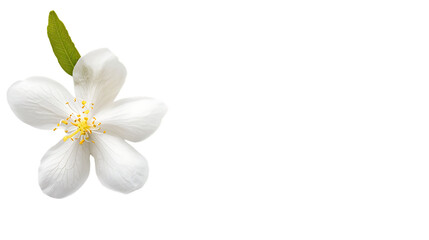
x: 81, y: 126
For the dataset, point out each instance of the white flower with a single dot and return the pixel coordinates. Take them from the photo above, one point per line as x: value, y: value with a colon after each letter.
x: 93, y: 123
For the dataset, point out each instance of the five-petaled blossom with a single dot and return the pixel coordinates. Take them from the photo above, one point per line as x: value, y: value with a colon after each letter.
x: 94, y: 124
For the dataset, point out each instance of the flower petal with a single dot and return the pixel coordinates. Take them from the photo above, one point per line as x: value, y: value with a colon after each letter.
x: 118, y: 165
x: 39, y: 102
x: 133, y: 119
x: 98, y: 76
x: 64, y: 168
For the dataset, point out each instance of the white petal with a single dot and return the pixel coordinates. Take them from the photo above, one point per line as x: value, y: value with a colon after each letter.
x: 118, y: 165
x: 98, y: 77
x: 64, y: 168
x: 133, y: 119
x: 39, y: 102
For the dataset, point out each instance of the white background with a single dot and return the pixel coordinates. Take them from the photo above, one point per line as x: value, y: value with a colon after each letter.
x: 287, y: 120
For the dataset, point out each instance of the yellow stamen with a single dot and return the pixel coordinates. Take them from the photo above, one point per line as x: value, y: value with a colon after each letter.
x: 80, y: 121
x: 70, y: 136
x: 55, y: 129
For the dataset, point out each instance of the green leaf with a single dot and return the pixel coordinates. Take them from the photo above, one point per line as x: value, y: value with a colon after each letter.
x: 61, y: 43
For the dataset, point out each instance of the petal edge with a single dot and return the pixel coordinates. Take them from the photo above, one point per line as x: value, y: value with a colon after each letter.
x: 64, y: 169
x: 98, y: 77
x: 118, y: 165
x: 133, y: 119
x: 39, y: 101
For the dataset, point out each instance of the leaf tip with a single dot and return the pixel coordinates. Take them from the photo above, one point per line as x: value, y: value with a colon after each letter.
x: 52, y: 14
